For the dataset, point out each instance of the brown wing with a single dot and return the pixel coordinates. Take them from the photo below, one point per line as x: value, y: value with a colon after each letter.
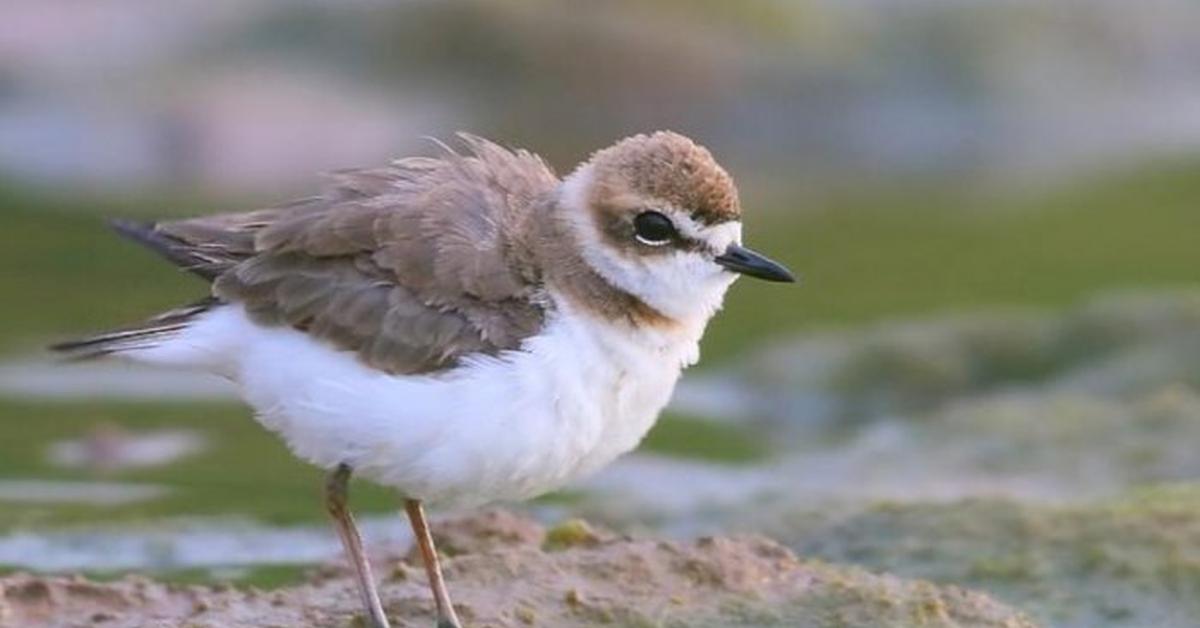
x: 409, y: 266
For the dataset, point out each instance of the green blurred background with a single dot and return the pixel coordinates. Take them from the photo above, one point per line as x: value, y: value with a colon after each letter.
x: 908, y: 158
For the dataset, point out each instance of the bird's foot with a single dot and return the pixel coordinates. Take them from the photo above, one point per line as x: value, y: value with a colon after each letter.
x: 447, y: 622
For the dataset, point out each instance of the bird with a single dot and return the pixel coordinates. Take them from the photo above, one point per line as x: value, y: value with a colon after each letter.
x: 462, y: 328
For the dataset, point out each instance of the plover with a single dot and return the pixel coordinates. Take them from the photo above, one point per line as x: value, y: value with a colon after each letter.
x: 463, y: 329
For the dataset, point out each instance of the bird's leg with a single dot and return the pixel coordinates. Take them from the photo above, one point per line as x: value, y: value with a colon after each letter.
x: 445, y: 610
x: 336, y: 496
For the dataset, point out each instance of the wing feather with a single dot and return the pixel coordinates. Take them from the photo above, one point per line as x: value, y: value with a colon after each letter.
x: 410, y: 266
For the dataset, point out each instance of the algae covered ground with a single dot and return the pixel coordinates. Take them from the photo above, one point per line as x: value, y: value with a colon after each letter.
x: 1132, y: 560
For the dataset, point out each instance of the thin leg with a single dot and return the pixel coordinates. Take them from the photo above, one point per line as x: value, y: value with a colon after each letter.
x: 445, y: 610
x: 336, y: 496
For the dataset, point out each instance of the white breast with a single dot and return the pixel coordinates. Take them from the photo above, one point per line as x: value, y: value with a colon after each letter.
x: 510, y: 427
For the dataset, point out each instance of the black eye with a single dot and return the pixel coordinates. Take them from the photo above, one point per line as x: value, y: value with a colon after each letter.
x: 653, y: 228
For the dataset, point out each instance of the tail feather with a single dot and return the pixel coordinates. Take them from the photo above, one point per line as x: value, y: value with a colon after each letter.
x: 160, y: 329
x: 142, y: 336
x: 178, y: 252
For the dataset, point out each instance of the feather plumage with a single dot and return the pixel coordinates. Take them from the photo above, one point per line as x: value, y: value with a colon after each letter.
x: 408, y: 266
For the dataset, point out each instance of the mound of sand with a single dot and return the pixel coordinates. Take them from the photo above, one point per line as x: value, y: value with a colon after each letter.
x: 507, y: 571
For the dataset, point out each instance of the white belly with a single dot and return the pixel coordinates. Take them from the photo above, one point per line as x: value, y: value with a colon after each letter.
x: 512, y: 427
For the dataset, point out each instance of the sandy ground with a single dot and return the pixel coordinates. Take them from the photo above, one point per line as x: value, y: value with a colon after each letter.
x: 507, y: 571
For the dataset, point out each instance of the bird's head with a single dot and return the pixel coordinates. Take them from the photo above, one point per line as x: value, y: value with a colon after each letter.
x: 657, y: 217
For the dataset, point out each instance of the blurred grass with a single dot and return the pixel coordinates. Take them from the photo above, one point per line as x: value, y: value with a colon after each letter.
x: 245, y: 470
x: 877, y: 254
x: 261, y: 577
x: 62, y: 272
x: 685, y: 437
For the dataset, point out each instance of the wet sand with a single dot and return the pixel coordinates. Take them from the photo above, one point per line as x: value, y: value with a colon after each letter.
x: 508, y: 571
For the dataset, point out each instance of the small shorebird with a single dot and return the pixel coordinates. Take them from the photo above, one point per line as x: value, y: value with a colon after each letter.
x: 463, y: 329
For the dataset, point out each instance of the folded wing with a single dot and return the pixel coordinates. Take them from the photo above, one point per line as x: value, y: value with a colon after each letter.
x: 410, y: 266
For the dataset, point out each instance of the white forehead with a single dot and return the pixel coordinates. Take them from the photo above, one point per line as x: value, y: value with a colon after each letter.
x: 718, y: 237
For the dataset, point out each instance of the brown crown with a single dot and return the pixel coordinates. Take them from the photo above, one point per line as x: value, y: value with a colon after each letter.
x: 672, y: 168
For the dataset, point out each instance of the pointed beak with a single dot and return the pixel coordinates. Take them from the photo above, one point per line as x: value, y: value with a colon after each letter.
x: 742, y: 260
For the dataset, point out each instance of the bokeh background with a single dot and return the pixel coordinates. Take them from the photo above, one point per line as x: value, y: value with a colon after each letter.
x: 990, y: 375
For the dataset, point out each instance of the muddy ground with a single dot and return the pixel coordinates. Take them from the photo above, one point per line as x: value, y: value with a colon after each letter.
x: 508, y: 571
